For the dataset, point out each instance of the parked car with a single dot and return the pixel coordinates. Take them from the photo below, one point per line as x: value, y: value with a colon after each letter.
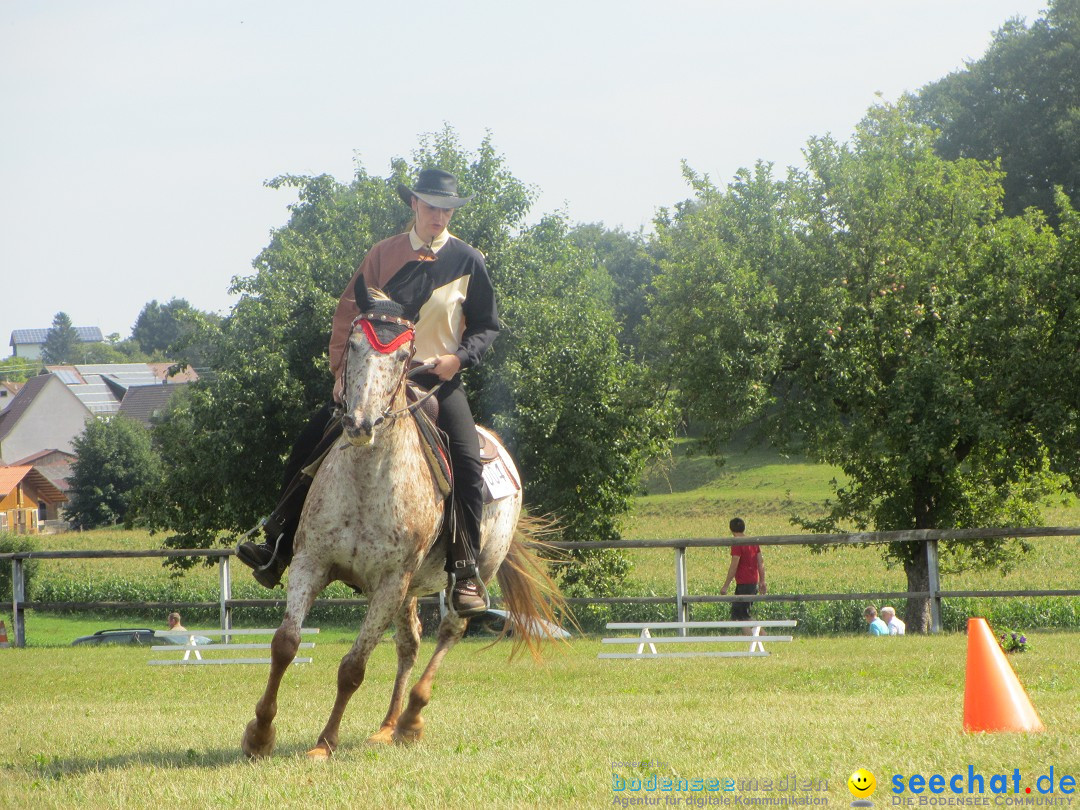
x: 136, y: 635
x: 492, y: 621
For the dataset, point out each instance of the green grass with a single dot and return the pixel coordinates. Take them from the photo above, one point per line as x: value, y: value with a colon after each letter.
x: 99, y: 728
x: 695, y: 497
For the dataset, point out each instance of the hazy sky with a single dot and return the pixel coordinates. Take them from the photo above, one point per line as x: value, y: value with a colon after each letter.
x: 135, y: 135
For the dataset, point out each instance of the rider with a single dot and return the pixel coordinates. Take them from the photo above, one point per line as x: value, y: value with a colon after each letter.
x: 444, y: 286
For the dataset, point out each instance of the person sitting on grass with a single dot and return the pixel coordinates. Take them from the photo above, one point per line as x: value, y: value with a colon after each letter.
x: 877, y: 626
x: 895, y: 625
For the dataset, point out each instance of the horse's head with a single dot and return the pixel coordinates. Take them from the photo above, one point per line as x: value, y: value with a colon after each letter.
x: 376, y: 360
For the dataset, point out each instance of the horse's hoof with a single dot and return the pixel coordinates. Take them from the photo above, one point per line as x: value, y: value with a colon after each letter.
x: 408, y: 736
x: 384, y: 736
x: 258, y: 744
x: 320, y: 753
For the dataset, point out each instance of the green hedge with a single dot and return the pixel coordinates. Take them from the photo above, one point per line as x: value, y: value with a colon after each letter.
x: 824, y: 618
x: 815, y: 618
x: 10, y: 543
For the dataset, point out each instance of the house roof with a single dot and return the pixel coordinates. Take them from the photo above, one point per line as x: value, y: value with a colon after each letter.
x: 53, y: 464
x: 30, y: 389
x: 102, y: 386
x: 144, y: 402
x: 11, y: 477
x: 161, y: 372
x: 40, y: 454
x: 86, y: 334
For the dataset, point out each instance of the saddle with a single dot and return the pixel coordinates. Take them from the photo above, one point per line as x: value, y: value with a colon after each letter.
x: 498, y: 480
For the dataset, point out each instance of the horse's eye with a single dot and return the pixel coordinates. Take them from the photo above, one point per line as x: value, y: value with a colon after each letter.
x: 402, y: 356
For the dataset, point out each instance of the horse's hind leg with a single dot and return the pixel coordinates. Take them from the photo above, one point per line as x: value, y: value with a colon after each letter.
x: 410, y: 725
x: 385, y: 602
x: 407, y: 639
x: 258, y: 739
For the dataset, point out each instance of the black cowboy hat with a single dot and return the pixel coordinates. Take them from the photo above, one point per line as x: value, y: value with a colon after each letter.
x: 435, y: 187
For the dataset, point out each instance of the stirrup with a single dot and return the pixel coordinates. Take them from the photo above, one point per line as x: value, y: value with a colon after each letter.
x: 277, y: 544
x: 480, y: 587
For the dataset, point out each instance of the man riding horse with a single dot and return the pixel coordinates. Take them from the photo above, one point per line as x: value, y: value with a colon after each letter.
x: 444, y: 287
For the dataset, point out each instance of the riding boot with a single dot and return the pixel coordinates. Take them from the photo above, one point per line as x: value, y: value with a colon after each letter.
x: 468, y: 596
x: 270, y: 558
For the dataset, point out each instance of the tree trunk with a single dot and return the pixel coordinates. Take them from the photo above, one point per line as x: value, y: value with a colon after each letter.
x: 917, y: 615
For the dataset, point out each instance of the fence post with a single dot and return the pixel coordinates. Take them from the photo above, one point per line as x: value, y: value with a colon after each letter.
x: 18, y: 596
x: 680, y: 587
x: 934, y: 580
x: 225, y: 589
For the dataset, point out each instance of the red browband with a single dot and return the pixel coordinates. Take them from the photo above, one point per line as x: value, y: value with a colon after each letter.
x: 369, y: 332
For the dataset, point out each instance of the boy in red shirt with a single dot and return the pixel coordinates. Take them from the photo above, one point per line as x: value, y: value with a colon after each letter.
x: 748, y: 570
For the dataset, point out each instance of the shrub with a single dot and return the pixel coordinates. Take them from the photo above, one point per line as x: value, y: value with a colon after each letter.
x: 10, y: 543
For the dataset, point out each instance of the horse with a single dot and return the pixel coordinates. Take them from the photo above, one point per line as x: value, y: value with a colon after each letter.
x: 371, y: 520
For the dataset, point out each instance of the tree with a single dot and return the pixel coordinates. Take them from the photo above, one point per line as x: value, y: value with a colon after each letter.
x: 224, y: 445
x: 115, y: 460
x: 18, y: 369
x: 1020, y: 104
x: 876, y: 312
x: 580, y: 417
x: 160, y: 326
x: 627, y: 261
x: 61, y: 342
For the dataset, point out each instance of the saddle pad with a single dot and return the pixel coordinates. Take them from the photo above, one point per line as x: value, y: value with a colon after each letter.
x: 500, y: 478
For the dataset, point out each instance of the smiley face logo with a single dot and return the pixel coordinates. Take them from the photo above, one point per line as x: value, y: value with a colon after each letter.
x: 861, y: 784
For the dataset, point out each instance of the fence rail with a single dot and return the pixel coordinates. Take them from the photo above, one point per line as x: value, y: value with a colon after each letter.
x: 682, y: 599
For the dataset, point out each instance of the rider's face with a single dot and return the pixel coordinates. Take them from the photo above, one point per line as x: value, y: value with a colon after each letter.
x: 430, y: 221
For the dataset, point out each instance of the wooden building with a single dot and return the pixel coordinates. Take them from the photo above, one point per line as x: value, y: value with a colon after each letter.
x: 27, y: 499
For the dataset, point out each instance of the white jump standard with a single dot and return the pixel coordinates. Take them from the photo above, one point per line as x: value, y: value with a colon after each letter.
x: 199, y: 649
x: 645, y: 638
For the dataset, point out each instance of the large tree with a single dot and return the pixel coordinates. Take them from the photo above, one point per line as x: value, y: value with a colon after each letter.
x: 224, y: 445
x: 877, y: 312
x: 1020, y: 104
x: 61, y: 342
x: 115, y: 460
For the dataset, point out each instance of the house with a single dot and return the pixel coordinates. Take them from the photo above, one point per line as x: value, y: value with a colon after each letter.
x: 27, y: 499
x: 101, y: 387
x: 148, y: 403
x: 8, y: 390
x: 44, y: 415
x: 53, y: 464
x: 28, y: 343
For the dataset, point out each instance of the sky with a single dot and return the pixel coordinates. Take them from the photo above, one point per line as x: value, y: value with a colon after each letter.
x: 136, y: 135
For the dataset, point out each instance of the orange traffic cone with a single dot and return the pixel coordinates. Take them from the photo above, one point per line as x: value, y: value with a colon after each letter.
x: 3, y: 635
x: 994, y: 700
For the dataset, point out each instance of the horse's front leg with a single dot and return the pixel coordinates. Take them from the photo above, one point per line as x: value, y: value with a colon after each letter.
x: 385, y: 602
x: 407, y: 640
x: 259, y: 735
x: 410, y: 725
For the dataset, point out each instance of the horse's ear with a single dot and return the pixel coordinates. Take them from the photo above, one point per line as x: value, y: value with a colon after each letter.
x: 361, y: 294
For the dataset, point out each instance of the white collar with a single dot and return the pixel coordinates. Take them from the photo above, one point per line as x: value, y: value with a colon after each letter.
x: 436, y: 243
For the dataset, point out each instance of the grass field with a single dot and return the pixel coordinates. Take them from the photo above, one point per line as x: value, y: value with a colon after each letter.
x: 99, y: 728
x: 692, y: 496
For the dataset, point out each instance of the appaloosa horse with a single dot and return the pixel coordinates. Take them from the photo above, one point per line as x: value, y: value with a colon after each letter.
x: 371, y: 520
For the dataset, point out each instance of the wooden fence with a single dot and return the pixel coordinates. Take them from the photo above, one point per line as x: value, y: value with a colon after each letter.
x: 681, y: 598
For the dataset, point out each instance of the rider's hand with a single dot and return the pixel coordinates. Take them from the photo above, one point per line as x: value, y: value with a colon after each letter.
x: 339, y: 390
x: 445, y: 366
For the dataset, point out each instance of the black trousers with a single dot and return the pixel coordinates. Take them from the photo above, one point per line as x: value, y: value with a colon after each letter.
x: 455, y: 420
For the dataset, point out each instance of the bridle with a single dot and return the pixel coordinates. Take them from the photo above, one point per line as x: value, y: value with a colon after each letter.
x: 408, y: 335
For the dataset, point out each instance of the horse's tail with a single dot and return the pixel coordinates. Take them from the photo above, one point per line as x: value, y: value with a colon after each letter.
x: 531, y: 597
